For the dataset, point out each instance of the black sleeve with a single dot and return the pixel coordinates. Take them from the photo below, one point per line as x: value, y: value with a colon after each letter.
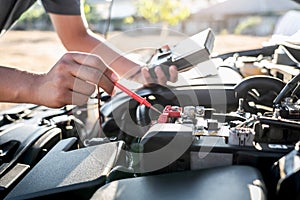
x: 65, y: 7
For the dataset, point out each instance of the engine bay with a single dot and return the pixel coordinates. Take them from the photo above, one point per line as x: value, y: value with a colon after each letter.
x: 210, y: 123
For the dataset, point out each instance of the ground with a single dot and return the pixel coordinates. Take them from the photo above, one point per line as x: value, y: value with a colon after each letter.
x: 37, y: 51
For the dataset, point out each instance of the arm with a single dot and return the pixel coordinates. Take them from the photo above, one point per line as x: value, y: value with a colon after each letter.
x: 74, y: 34
x: 15, y: 85
x: 71, y: 81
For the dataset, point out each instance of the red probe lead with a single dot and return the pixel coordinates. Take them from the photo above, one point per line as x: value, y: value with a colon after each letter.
x: 136, y: 97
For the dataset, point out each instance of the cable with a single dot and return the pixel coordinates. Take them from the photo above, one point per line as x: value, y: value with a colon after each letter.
x: 290, y: 86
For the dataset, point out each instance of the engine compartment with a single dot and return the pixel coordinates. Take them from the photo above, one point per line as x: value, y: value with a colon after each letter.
x: 205, y: 126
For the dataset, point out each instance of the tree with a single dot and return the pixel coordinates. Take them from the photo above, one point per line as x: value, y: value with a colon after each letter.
x: 169, y: 12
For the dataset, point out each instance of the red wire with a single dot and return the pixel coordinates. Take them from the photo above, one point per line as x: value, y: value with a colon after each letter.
x: 99, y: 113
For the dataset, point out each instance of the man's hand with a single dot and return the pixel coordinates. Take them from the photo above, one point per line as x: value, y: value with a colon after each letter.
x: 143, y: 76
x: 161, y: 77
x: 72, y: 80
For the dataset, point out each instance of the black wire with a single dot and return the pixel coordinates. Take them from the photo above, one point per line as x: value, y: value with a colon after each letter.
x: 295, y: 91
x: 108, y: 19
x: 289, y: 87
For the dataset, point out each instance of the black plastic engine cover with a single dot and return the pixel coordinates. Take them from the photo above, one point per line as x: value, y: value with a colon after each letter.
x: 74, y: 174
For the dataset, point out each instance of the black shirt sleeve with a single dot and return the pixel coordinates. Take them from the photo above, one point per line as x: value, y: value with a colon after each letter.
x: 11, y: 10
x: 64, y: 7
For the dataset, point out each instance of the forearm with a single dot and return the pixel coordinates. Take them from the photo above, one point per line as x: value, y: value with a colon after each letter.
x: 75, y: 36
x: 17, y: 86
x: 91, y: 42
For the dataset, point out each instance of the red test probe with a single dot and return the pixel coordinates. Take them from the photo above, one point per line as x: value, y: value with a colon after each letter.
x: 136, y: 97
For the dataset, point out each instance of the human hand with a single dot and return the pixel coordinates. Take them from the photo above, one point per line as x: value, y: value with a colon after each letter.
x: 73, y: 79
x: 161, y: 79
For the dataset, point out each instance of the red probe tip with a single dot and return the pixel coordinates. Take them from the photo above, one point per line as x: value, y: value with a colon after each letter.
x: 136, y: 97
x: 155, y: 109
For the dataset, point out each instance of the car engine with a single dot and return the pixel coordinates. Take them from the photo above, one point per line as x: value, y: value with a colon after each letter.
x: 206, y: 130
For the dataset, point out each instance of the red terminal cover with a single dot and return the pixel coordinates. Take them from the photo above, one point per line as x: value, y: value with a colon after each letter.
x: 168, y: 113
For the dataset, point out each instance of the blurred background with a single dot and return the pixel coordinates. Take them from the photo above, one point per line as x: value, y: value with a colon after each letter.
x: 255, y: 17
